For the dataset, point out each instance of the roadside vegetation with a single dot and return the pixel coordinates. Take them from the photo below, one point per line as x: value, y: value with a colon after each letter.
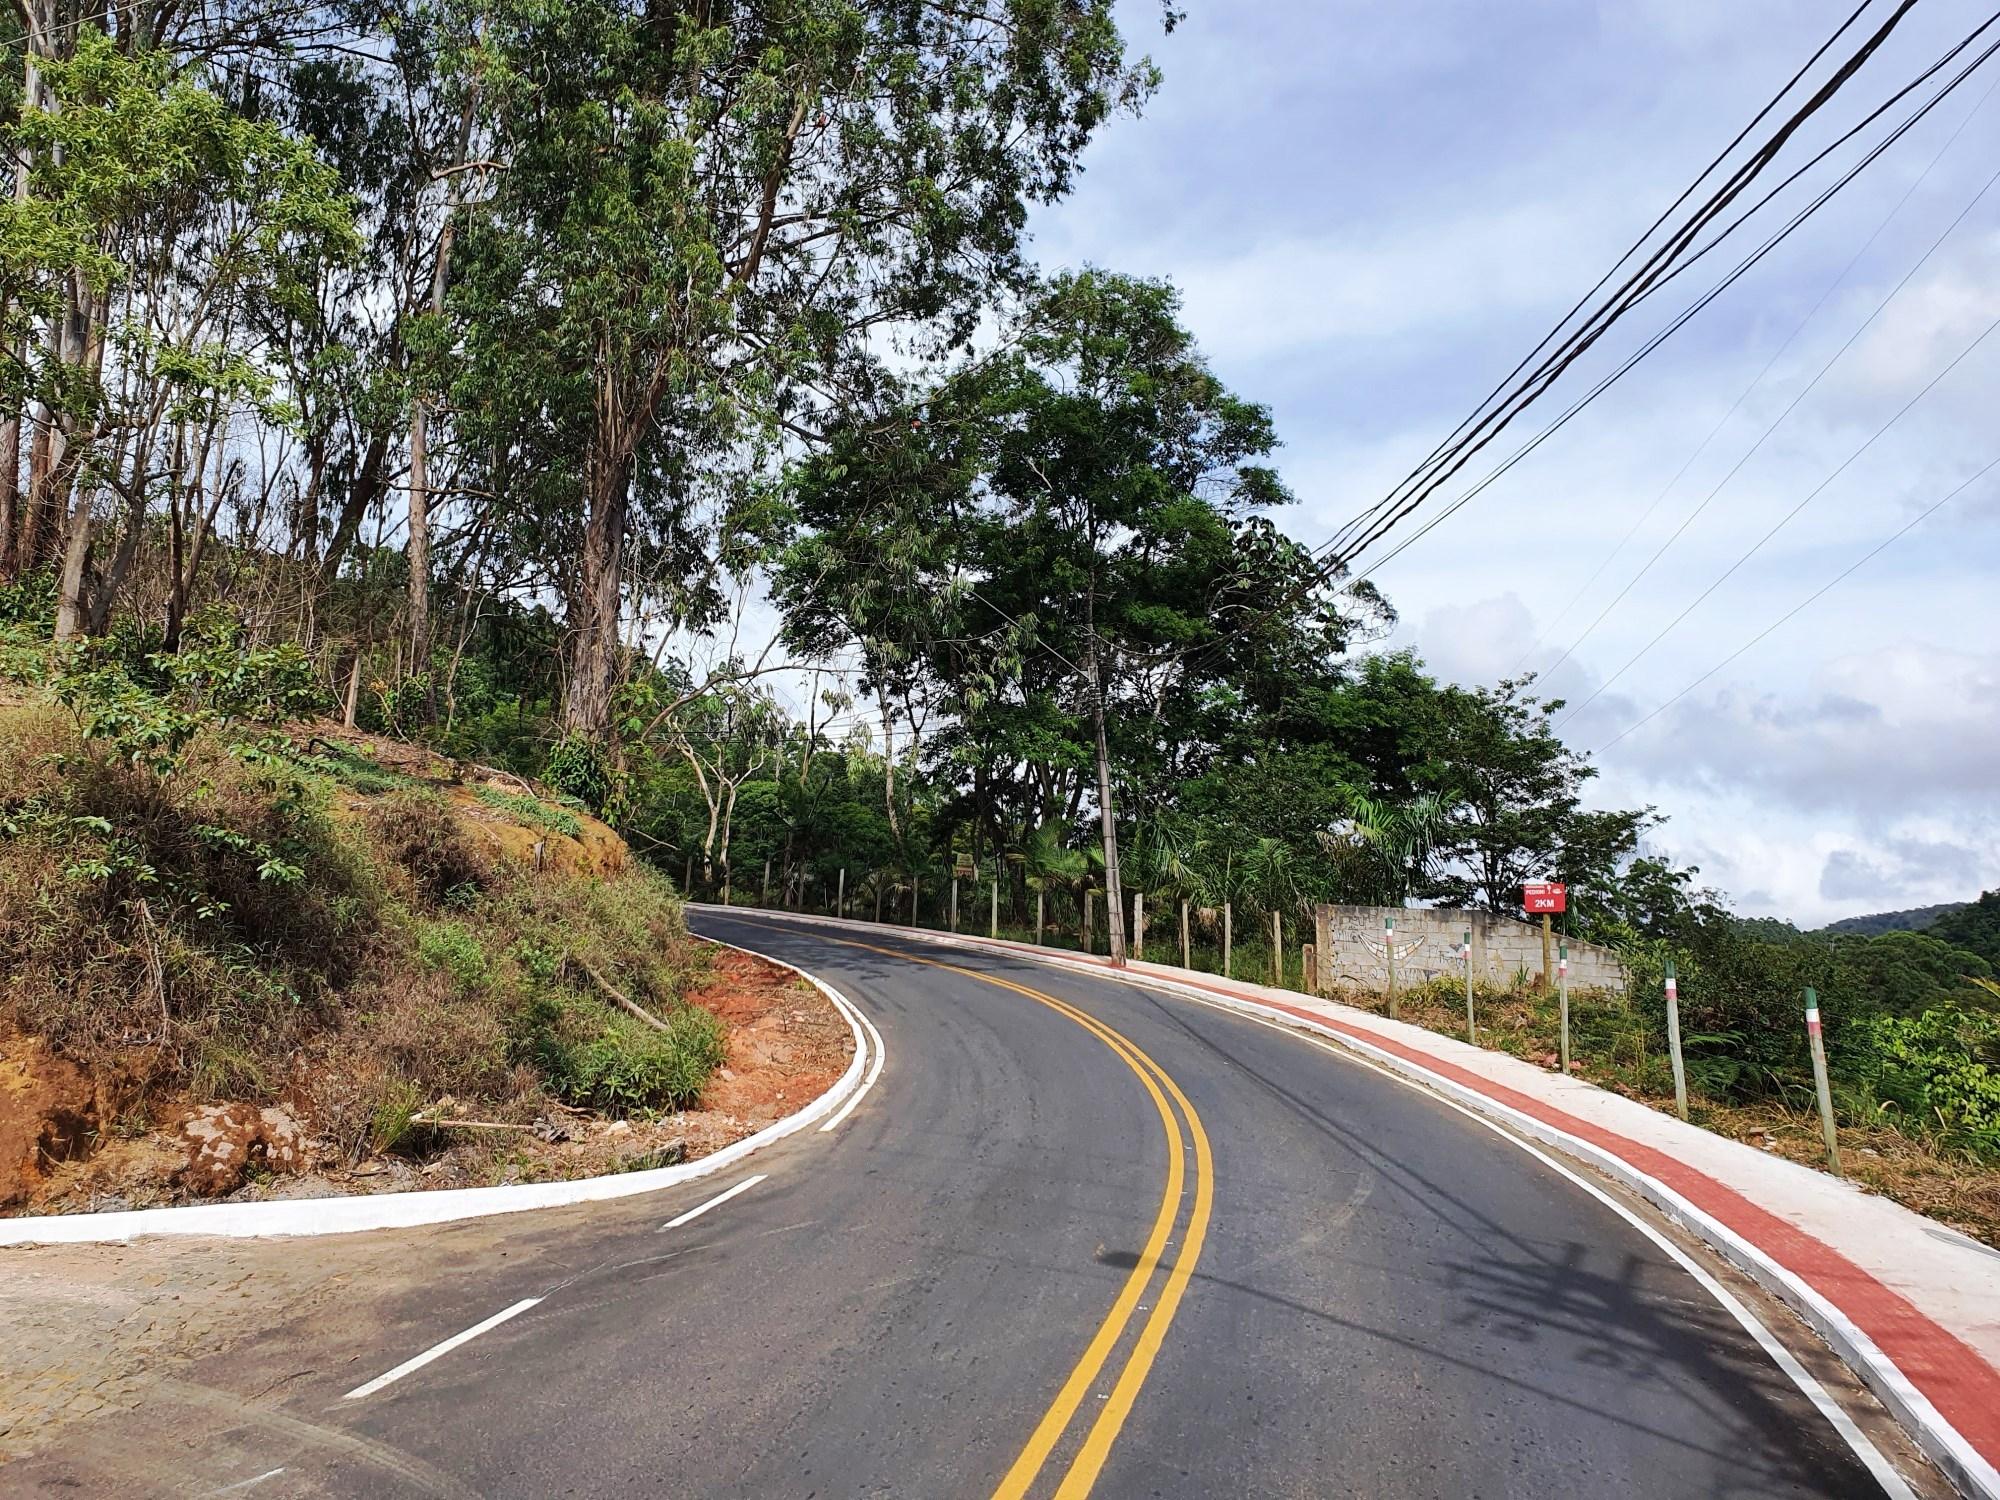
x: 205, y: 898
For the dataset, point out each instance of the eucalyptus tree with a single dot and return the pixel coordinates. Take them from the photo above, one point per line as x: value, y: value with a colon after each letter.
x: 153, y: 226
x: 706, y: 219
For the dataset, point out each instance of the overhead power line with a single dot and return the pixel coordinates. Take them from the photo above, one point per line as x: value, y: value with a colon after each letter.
x: 1679, y: 322
x: 1779, y: 420
x: 1431, y: 475
x: 1577, y: 597
x: 1515, y: 394
x: 1814, y: 597
x: 1459, y: 432
x: 1783, y: 521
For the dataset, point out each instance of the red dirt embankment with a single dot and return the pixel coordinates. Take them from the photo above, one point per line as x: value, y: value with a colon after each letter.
x: 786, y: 1045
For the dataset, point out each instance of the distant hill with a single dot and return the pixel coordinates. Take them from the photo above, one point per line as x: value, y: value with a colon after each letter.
x: 1975, y: 927
x: 1916, y: 919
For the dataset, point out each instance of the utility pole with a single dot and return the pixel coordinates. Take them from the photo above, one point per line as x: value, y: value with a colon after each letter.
x: 1114, y: 894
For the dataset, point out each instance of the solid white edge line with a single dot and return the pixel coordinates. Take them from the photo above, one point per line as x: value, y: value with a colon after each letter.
x: 856, y: 1018
x: 1864, y: 1448
x: 358, y: 1213
x: 438, y: 1351
x: 717, y: 1201
x: 1963, y: 1465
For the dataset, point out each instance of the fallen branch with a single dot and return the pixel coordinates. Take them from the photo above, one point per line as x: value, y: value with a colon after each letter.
x: 437, y: 1124
x: 620, y: 997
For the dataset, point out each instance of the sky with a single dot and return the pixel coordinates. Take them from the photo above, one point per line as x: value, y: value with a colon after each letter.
x: 1374, y: 211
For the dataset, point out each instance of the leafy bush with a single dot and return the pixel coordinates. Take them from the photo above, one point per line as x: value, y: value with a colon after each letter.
x: 451, y: 949
x: 629, y: 1066
x: 1942, y: 1068
x: 147, y: 707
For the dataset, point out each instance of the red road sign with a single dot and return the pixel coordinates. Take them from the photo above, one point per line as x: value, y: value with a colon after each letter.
x: 1545, y: 895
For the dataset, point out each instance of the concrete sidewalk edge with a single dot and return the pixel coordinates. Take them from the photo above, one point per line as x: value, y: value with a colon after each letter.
x: 409, y: 1210
x: 1960, y: 1461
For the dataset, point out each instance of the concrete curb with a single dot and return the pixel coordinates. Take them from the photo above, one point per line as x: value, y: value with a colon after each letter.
x: 1969, y: 1470
x: 354, y: 1215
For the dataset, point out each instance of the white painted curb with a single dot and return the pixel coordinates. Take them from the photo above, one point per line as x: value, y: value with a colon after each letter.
x: 406, y: 1210
x: 1960, y: 1462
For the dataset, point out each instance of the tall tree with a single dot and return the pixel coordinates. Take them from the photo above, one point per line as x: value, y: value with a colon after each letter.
x: 705, y: 212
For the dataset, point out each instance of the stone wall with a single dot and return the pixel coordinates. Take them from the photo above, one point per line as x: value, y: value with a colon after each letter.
x: 1353, y: 954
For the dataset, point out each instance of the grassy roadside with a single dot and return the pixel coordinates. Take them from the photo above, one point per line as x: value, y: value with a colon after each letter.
x: 342, y: 928
x: 1611, y: 1047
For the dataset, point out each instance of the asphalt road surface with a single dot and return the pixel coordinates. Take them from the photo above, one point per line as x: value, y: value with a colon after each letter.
x: 1079, y: 1239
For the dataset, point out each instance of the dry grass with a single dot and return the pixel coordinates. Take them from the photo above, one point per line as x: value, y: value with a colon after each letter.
x: 414, y: 958
x: 1610, y: 1046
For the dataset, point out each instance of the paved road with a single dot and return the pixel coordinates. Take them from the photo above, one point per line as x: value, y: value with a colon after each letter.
x: 1079, y: 1239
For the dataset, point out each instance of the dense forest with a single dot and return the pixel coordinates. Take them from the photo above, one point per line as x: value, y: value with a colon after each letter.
x: 475, y: 373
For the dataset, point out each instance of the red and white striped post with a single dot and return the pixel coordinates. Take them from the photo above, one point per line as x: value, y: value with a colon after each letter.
x: 1674, y: 1041
x: 1820, y: 1083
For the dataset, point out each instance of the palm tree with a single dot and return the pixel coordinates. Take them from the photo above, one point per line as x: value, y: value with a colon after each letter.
x: 1049, y: 865
x: 1384, y: 850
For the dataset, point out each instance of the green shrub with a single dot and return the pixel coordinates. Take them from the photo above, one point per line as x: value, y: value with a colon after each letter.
x: 1942, y: 1069
x: 452, y: 949
x: 629, y: 1066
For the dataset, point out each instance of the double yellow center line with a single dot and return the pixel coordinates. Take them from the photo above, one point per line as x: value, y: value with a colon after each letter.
x: 1090, y: 1457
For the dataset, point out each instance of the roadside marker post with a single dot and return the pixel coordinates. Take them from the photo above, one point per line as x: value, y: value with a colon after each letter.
x: 764, y: 894
x: 1562, y: 989
x: 916, y: 897
x: 954, y: 903
x: 1389, y: 949
x: 840, y: 906
x: 1185, y: 950
x: 1277, y: 950
x: 1674, y: 1041
x: 1471, y: 1022
x: 1820, y: 1084
x: 1225, y: 941
x: 1038, y: 917
x: 1138, y: 923
x: 996, y: 896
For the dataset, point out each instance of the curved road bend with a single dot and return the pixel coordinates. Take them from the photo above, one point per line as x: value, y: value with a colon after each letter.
x: 1079, y: 1239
